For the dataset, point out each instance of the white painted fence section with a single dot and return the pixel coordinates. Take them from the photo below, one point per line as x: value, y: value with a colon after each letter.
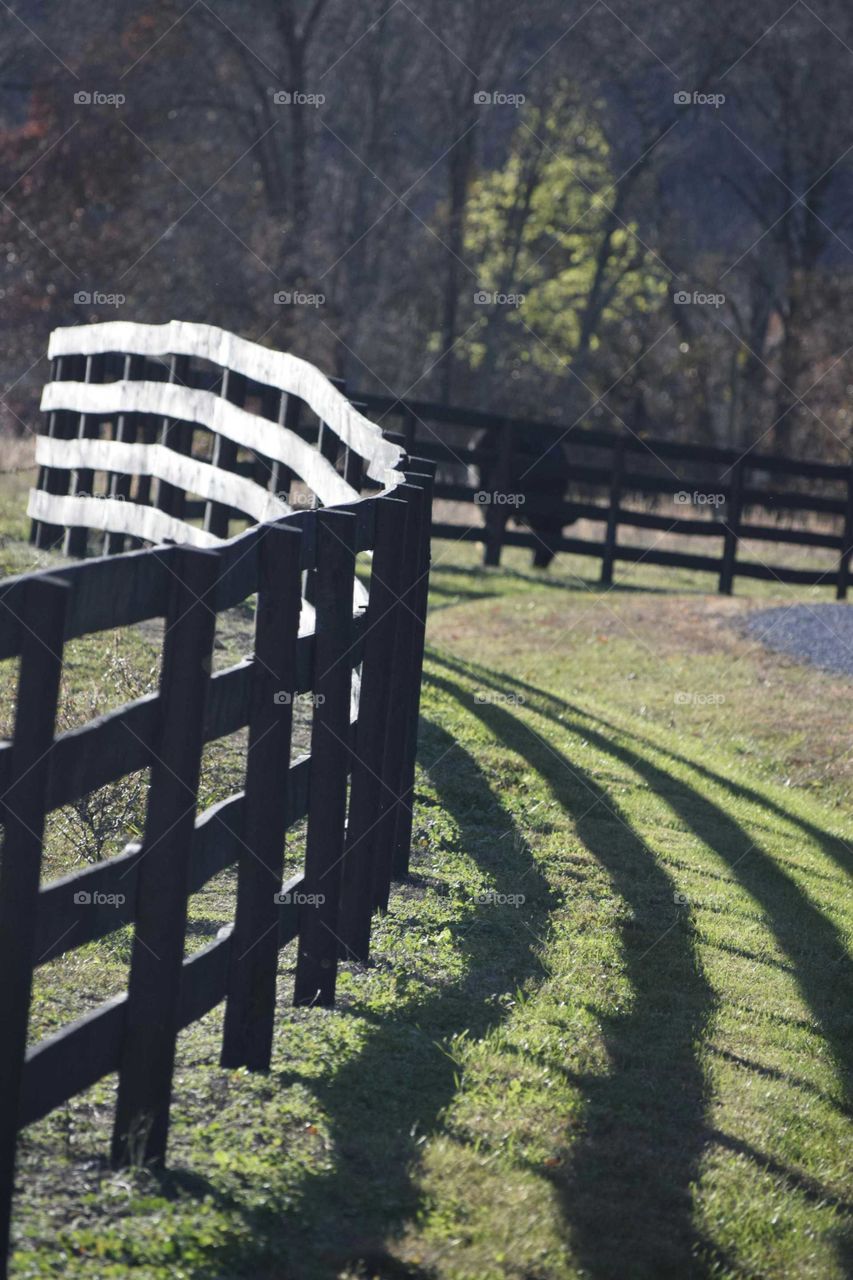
x: 170, y: 401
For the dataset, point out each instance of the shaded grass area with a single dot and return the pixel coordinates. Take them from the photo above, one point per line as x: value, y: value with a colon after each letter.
x: 605, y: 1030
x: 631, y: 1190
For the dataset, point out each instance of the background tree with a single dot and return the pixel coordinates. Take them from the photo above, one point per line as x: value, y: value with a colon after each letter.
x: 390, y: 191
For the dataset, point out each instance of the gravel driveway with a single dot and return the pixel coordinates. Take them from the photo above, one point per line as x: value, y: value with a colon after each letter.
x: 818, y: 633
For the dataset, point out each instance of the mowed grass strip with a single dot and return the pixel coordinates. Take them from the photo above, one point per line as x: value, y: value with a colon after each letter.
x: 605, y: 1030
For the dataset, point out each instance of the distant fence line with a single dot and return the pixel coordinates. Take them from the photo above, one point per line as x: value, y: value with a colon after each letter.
x: 354, y: 787
x: 587, y: 473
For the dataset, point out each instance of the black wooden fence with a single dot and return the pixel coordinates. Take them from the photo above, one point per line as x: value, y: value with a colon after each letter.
x: 354, y: 788
x: 618, y: 479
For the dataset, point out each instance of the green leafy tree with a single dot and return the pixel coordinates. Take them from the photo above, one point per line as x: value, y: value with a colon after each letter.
x: 547, y: 230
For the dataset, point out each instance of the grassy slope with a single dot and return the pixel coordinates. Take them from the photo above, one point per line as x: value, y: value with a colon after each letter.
x: 639, y: 1070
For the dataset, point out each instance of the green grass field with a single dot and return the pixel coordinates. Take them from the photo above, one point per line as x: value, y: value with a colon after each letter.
x: 607, y: 1027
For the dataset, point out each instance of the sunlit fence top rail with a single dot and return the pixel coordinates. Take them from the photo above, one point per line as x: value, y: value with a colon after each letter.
x: 542, y: 478
x: 354, y: 786
x: 170, y: 432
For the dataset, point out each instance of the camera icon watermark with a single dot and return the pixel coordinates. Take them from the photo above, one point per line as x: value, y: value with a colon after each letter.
x: 697, y: 99
x: 83, y: 898
x: 300, y: 498
x: 284, y: 698
x: 487, y: 98
x: 697, y: 299
x: 708, y: 901
x: 698, y: 498
x: 293, y: 298
x: 495, y: 497
x: 102, y: 497
x: 295, y: 897
x: 688, y: 698
x: 95, y: 98
x: 491, y: 897
x: 95, y: 298
x: 494, y: 698
x: 297, y: 98
x: 493, y: 298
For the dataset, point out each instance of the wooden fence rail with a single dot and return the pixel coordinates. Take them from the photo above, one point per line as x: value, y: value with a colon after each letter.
x: 316, y: 627
x: 613, y: 478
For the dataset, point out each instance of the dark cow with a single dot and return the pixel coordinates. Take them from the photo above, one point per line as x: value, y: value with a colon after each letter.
x: 540, y: 480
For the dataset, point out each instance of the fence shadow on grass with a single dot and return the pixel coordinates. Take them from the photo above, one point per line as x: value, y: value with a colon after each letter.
x: 539, y: 578
x: 837, y: 849
x: 810, y: 941
x: 626, y: 1187
x: 444, y: 597
x: 383, y: 1102
x: 805, y: 935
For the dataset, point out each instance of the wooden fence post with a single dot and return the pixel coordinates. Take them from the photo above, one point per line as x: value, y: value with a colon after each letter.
x: 178, y: 436
x: 611, y: 532
x: 327, y: 442
x: 151, y: 1017
x: 417, y: 601
x: 24, y: 808
x: 316, y: 966
x: 732, y: 525
x: 398, y: 682
x: 283, y: 408
x: 217, y: 514
x: 126, y: 430
x: 353, y: 462
x: 409, y: 425
x: 89, y: 427
x: 253, y: 959
x: 497, y: 512
x: 61, y: 425
x: 148, y: 428
x: 846, y: 543
x: 371, y: 790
